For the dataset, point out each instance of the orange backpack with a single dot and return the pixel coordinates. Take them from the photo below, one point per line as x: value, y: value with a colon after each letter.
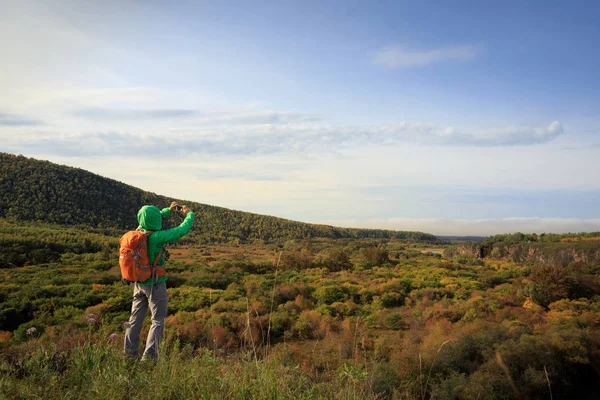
x: 133, y: 258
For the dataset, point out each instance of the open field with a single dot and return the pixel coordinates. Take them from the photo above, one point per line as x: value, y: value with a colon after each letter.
x: 333, y: 319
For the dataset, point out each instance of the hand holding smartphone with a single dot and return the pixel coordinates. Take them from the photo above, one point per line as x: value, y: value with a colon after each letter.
x: 179, y: 208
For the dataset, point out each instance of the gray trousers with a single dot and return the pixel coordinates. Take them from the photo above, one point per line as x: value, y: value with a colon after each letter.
x: 142, y: 298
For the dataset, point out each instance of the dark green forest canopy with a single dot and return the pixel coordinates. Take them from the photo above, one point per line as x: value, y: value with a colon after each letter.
x: 34, y: 190
x: 518, y: 237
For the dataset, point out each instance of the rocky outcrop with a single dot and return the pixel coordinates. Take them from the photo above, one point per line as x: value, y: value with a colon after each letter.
x: 475, y: 250
x: 563, y: 254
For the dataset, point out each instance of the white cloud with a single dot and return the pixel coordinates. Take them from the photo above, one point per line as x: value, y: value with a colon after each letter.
x: 200, y: 117
x: 158, y: 132
x: 64, y: 96
x: 402, y: 57
x: 479, y: 227
x: 17, y: 120
x: 509, y: 136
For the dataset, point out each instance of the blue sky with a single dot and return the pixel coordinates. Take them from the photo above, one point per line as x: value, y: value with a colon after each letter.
x: 449, y: 117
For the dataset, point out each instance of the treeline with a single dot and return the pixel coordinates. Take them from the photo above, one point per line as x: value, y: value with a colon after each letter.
x: 26, y: 244
x: 34, y: 190
x: 518, y: 237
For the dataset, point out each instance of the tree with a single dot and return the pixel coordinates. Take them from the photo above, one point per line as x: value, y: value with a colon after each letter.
x: 548, y: 284
x: 335, y: 259
x: 374, y: 256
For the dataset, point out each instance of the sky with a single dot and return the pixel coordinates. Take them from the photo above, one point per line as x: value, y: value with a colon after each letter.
x: 449, y: 117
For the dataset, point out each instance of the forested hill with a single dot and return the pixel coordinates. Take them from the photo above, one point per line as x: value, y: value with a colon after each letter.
x: 34, y: 190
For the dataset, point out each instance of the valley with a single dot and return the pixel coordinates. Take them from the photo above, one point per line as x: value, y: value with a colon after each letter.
x: 261, y: 307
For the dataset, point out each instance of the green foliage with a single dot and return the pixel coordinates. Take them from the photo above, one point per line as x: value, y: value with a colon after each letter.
x: 27, y: 331
x: 394, y: 321
x: 191, y: 298
x: 548, y: 284
x: 392, y: 299
x: 330, y: 294
x: 468, y: 260
x: 331, y: 332
x: 22, y: 244
x: 99, y: 371
x: 32, y: 190
x: 335, y: 259
x: 297, y: 259
x: 515, y: 238
x: 385, y: 380
x: 374, y: 256
x: 512, y: 238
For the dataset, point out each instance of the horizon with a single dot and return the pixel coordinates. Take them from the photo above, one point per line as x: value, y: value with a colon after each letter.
x: 443, y: 227
x: 464, y: 120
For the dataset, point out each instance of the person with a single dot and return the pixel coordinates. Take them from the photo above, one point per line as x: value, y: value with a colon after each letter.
x: 152, y: 293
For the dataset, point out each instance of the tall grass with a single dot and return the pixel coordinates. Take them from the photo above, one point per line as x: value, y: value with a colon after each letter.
x: 100, y: 371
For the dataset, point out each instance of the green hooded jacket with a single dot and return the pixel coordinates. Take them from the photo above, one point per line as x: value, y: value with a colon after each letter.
x: 150, y: 220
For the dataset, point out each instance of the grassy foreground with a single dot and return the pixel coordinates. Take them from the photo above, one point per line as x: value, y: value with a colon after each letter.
x: 100, y: 371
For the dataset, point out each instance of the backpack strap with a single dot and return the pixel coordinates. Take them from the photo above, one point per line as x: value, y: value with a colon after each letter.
x: 157, y: 259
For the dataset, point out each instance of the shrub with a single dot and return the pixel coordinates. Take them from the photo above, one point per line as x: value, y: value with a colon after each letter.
x: 346, y: 309
x: 497, y: 252
x: 382, y: 351
x: 289, y: 292
x: 188, y: 298
x: 218, y: 337
x: 469, y: 260
x: 296, y: 259
x: 394, y: 321
x: 432, y: 294
x: 28, y: 330
x: 330, y: 294
x: 548, y: 284
x: 384, y: 380
x: 309, y: 326
x: 392, y: 299
x: 374, y: 256
x: 280, y: 322
x: 404, y: 286
x: 335, y: 259
x: 489, y: 279
x: 365, y: 296
x: 175, y: 280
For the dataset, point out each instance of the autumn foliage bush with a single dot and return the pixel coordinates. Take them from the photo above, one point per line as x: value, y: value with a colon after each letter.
x: 343, y: 317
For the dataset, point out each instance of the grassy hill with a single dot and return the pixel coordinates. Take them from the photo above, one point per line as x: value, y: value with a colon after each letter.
x: 34, y: 190
x: 353, y: 318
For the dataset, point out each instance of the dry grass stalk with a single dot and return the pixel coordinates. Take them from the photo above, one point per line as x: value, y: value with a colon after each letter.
x: 272, y: 302
x: 548, y: 380
x: 424, y: 387
x: 248, y: 331
x: 507, y: 373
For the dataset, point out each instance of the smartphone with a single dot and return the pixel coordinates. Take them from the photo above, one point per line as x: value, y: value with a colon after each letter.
x: 178, y: 208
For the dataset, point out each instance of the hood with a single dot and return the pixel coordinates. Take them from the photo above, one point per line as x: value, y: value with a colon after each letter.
x: 150, y: 218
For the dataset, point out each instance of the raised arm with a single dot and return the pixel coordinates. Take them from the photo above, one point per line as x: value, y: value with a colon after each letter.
x: 174, y: 234
x: 165, y: 212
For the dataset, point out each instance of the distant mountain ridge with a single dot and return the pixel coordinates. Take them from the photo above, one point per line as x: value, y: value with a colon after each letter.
x: 35, y: 190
